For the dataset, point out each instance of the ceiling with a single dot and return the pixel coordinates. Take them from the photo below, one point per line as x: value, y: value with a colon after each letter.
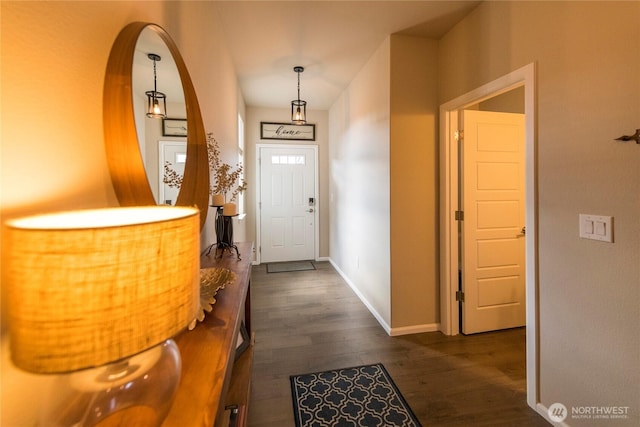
x: 332, y: 40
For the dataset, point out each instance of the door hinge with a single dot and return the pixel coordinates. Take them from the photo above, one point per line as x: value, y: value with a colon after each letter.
x: 458, y: 135
x: 459, y: 215
x: 460, y: 296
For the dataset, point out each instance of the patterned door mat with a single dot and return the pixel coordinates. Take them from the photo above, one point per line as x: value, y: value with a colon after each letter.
x: 359, y: 396
x: 283, y: 267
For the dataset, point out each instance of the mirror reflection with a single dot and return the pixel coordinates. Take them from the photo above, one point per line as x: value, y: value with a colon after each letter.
x: 157, y: 143
x: 124, y: 155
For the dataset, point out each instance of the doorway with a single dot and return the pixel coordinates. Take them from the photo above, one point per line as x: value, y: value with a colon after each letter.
x: 175, y: 154
x: 449, y: 197
x: 287, y: 202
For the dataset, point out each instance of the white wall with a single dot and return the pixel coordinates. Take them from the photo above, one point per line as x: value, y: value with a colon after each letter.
x: 384, y: 184
x: 359, y: 183
x: 54, y: 57
x: 320, y: 118
x: 414, y: 185
x: 588, y: 80
x: 214, y: 78
x: 150, y: 135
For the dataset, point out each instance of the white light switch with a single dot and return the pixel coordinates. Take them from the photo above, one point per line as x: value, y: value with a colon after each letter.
x: 596, y: 227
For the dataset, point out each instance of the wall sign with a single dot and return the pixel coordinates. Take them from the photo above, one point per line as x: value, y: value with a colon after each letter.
x: 174, y: 127
x: 287, y: 131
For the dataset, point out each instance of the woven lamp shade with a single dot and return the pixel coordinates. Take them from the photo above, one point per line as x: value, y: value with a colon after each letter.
x: 94, y: 286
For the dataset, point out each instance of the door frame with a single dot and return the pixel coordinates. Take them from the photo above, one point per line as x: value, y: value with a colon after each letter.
x: 449, y: 310
x: 316, y: 210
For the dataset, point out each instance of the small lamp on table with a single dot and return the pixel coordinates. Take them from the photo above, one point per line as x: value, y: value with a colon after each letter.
x: 97, y: 295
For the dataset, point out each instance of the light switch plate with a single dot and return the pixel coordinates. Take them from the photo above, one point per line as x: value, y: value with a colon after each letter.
x: 596, y: 227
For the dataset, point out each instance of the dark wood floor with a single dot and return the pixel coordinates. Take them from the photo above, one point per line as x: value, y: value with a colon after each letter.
x: 312, y: 321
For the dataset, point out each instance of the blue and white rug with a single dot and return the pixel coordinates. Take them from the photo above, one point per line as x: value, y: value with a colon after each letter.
x: 363, y: 396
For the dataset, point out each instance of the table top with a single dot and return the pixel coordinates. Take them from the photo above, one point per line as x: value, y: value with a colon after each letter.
x: 207, y: 351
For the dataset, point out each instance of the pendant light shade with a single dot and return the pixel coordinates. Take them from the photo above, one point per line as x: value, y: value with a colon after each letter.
x: 298, y: 107
x: 156, y: 101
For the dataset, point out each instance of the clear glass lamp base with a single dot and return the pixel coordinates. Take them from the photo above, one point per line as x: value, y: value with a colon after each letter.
x: 137, y: 391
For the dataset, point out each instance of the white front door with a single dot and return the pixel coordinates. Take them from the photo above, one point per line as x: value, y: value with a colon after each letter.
x: 287, y: 203
x: 493, y: 237
x: 175, y: 153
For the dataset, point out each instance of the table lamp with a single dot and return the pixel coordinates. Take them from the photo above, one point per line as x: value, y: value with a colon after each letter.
x: 98, y: 295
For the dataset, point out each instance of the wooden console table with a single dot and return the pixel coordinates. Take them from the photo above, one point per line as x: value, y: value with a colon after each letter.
x: 211, y: 378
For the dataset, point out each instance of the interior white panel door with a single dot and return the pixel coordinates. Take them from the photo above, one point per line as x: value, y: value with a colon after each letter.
x: 493, y: 245
x: 287, y: 204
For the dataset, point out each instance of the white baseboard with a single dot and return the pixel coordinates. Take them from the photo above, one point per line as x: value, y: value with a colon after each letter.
x: 364, y: 300
x: 323, y: 258
x: 415, y: 329
x: 403, y: 330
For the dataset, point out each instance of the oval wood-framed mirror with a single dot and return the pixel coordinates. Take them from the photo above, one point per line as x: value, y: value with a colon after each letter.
x: 126, y: 165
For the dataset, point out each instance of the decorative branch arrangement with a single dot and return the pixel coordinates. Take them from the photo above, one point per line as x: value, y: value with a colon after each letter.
x: 172, y: 178
x: 226, y: 180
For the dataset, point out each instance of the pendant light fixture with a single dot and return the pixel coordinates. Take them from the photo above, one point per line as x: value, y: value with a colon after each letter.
x: 155, y: 109
x: 298, y: 107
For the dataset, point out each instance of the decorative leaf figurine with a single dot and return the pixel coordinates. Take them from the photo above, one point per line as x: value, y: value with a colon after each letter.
x: 211, y: 281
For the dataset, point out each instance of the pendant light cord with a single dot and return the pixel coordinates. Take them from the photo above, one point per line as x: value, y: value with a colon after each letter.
x: 298, y: 87
x: 155, y: 85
